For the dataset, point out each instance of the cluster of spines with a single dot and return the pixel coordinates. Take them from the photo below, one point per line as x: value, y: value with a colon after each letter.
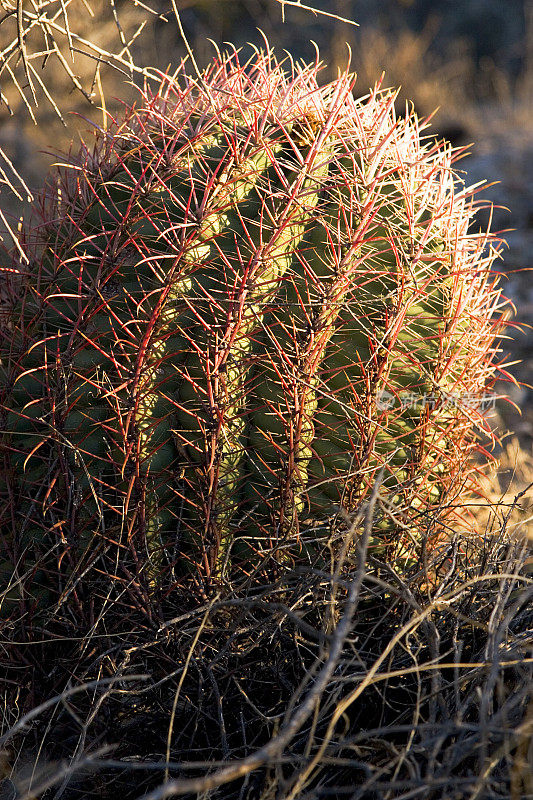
x: 217, y: 294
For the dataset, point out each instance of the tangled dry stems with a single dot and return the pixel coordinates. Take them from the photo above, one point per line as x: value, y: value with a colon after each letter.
x: 351, y: 683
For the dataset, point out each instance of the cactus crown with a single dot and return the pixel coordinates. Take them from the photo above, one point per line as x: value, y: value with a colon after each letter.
x: 234, y: 305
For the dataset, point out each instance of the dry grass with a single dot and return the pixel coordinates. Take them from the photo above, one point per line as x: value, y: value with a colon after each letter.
x: 508, y: 491
x: 352, y: 683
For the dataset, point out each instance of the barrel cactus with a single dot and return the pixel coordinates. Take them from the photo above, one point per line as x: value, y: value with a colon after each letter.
x: 245, y: 301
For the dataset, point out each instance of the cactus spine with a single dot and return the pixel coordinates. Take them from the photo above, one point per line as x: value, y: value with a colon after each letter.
x: 219, y: 295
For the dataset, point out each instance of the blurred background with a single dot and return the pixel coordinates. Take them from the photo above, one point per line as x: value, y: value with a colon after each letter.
x: 63, y: 61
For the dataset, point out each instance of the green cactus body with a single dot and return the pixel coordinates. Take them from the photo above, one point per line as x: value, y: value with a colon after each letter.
x: 220, y: 296
x: 207, y: 239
